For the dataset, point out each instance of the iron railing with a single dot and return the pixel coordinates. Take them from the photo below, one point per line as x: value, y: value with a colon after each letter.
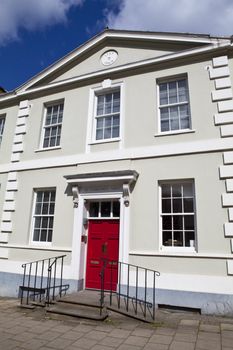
x: 42, y: 281
x: 131, y: 289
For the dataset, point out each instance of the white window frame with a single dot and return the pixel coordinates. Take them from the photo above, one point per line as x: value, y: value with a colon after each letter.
x: 2, y: 125
x: 176, y: 248
x: 91, y: 127
x: 165, y: 81
x: 44, y: 127
x: 35, y: 192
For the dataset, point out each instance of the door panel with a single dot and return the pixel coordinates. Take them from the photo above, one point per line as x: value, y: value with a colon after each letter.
x: 103, y: 242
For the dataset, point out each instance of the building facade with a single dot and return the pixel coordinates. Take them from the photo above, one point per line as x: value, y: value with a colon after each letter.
x: 124, y: 146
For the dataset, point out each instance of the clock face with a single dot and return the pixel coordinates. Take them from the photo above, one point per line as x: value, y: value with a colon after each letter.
x: 109, y: 57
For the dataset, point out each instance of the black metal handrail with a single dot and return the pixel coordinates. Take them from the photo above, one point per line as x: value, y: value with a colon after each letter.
x: 41, y: 280
x: 133, y: 284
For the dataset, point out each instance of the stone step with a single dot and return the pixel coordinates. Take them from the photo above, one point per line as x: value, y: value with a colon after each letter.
x: 77, y: 310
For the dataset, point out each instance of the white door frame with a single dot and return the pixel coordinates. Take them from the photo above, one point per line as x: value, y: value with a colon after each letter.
x: 79, y: 249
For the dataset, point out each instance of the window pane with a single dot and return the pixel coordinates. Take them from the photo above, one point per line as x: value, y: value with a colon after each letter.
x: 99, y: 134
x: 167, y: 222
x: 172, y: 92
x: 184, y: 123
x: 46, y: 197
x: 166, y: 206
x: 107, y: 133
x: 178, y: 222
x: 100, y: 105
x: 38, y: 209
x: 116, y: 209
x: 189, y: 222
x: 166, y: 191
x: 46, y: 143
x: 108, y: 122
x: 182, y: 90
x: 53, y: 141
x: 51, y: 208
x: 188, y: 205
x: 108, y: 104
x: 94, y: 209
x: 116, y: 102
x: 174, y: 113
x: 178, y: 239
x: 167, y: 238
x: 100, y: 123
x: 115, y: 132
x: 49, y: 237
x: 50, y: 222
x: 164, y: 113
x: 177, y: 205
x: 44, y: 223
x: 175, y: 125
x: 52, y: 196
x: 189, y: 239
x: 116, y: 120
x: 164, y: 125
x: 43, y: 235
x: 37, y: 222
x: 163, y: 94
x: 188, y: 190
x: 45, y: 208
x: 176, y: 190
x: 105, y: 209
x: 36, y: 235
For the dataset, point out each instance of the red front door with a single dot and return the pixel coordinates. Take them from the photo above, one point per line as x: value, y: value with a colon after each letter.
x: 103, y: 242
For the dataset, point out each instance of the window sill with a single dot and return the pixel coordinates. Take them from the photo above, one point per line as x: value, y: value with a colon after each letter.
x: 40, y: 244
x: 104, y: 141
x: 47, y: 149
x: 175, y: 132
x: 176, y: 250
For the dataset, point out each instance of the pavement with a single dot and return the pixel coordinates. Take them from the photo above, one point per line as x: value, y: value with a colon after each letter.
x: 35, y: 329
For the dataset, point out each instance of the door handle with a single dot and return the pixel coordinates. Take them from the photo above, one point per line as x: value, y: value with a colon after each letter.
x: 104, y: 247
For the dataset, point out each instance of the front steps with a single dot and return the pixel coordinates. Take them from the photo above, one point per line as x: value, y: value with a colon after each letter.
x: 84, y: 304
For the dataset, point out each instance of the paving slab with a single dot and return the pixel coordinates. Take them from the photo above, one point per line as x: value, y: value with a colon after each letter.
x: 226, y: 327
x: 33, y: 329
x: 190, y: 323
x: 179, y: 345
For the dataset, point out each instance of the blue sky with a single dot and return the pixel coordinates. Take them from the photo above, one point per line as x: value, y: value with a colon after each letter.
x: 36, y: 33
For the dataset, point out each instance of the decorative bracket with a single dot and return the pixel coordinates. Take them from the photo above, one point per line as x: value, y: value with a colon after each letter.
x: 126, y: 194
x: 75, y: 193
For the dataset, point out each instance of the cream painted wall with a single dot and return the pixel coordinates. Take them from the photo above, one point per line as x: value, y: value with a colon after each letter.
x: 140, y: 115
x: 63, y: 224
x: 8, y: 133
x: 3, y: 180
x: 125, y: 56
x: 141, y: 109
x: 210, y: 216
x: 182, y: 265
x: 144, y: 211
x: 73, y: 137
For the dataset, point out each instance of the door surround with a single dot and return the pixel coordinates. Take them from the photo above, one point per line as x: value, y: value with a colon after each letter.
x: 99, y: 186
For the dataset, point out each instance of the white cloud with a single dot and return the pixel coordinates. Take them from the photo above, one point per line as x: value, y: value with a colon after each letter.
x: 197, y: 16
x: 30, y: 15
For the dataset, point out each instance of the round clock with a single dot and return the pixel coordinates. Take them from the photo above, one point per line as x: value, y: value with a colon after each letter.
x: 109, y: 57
